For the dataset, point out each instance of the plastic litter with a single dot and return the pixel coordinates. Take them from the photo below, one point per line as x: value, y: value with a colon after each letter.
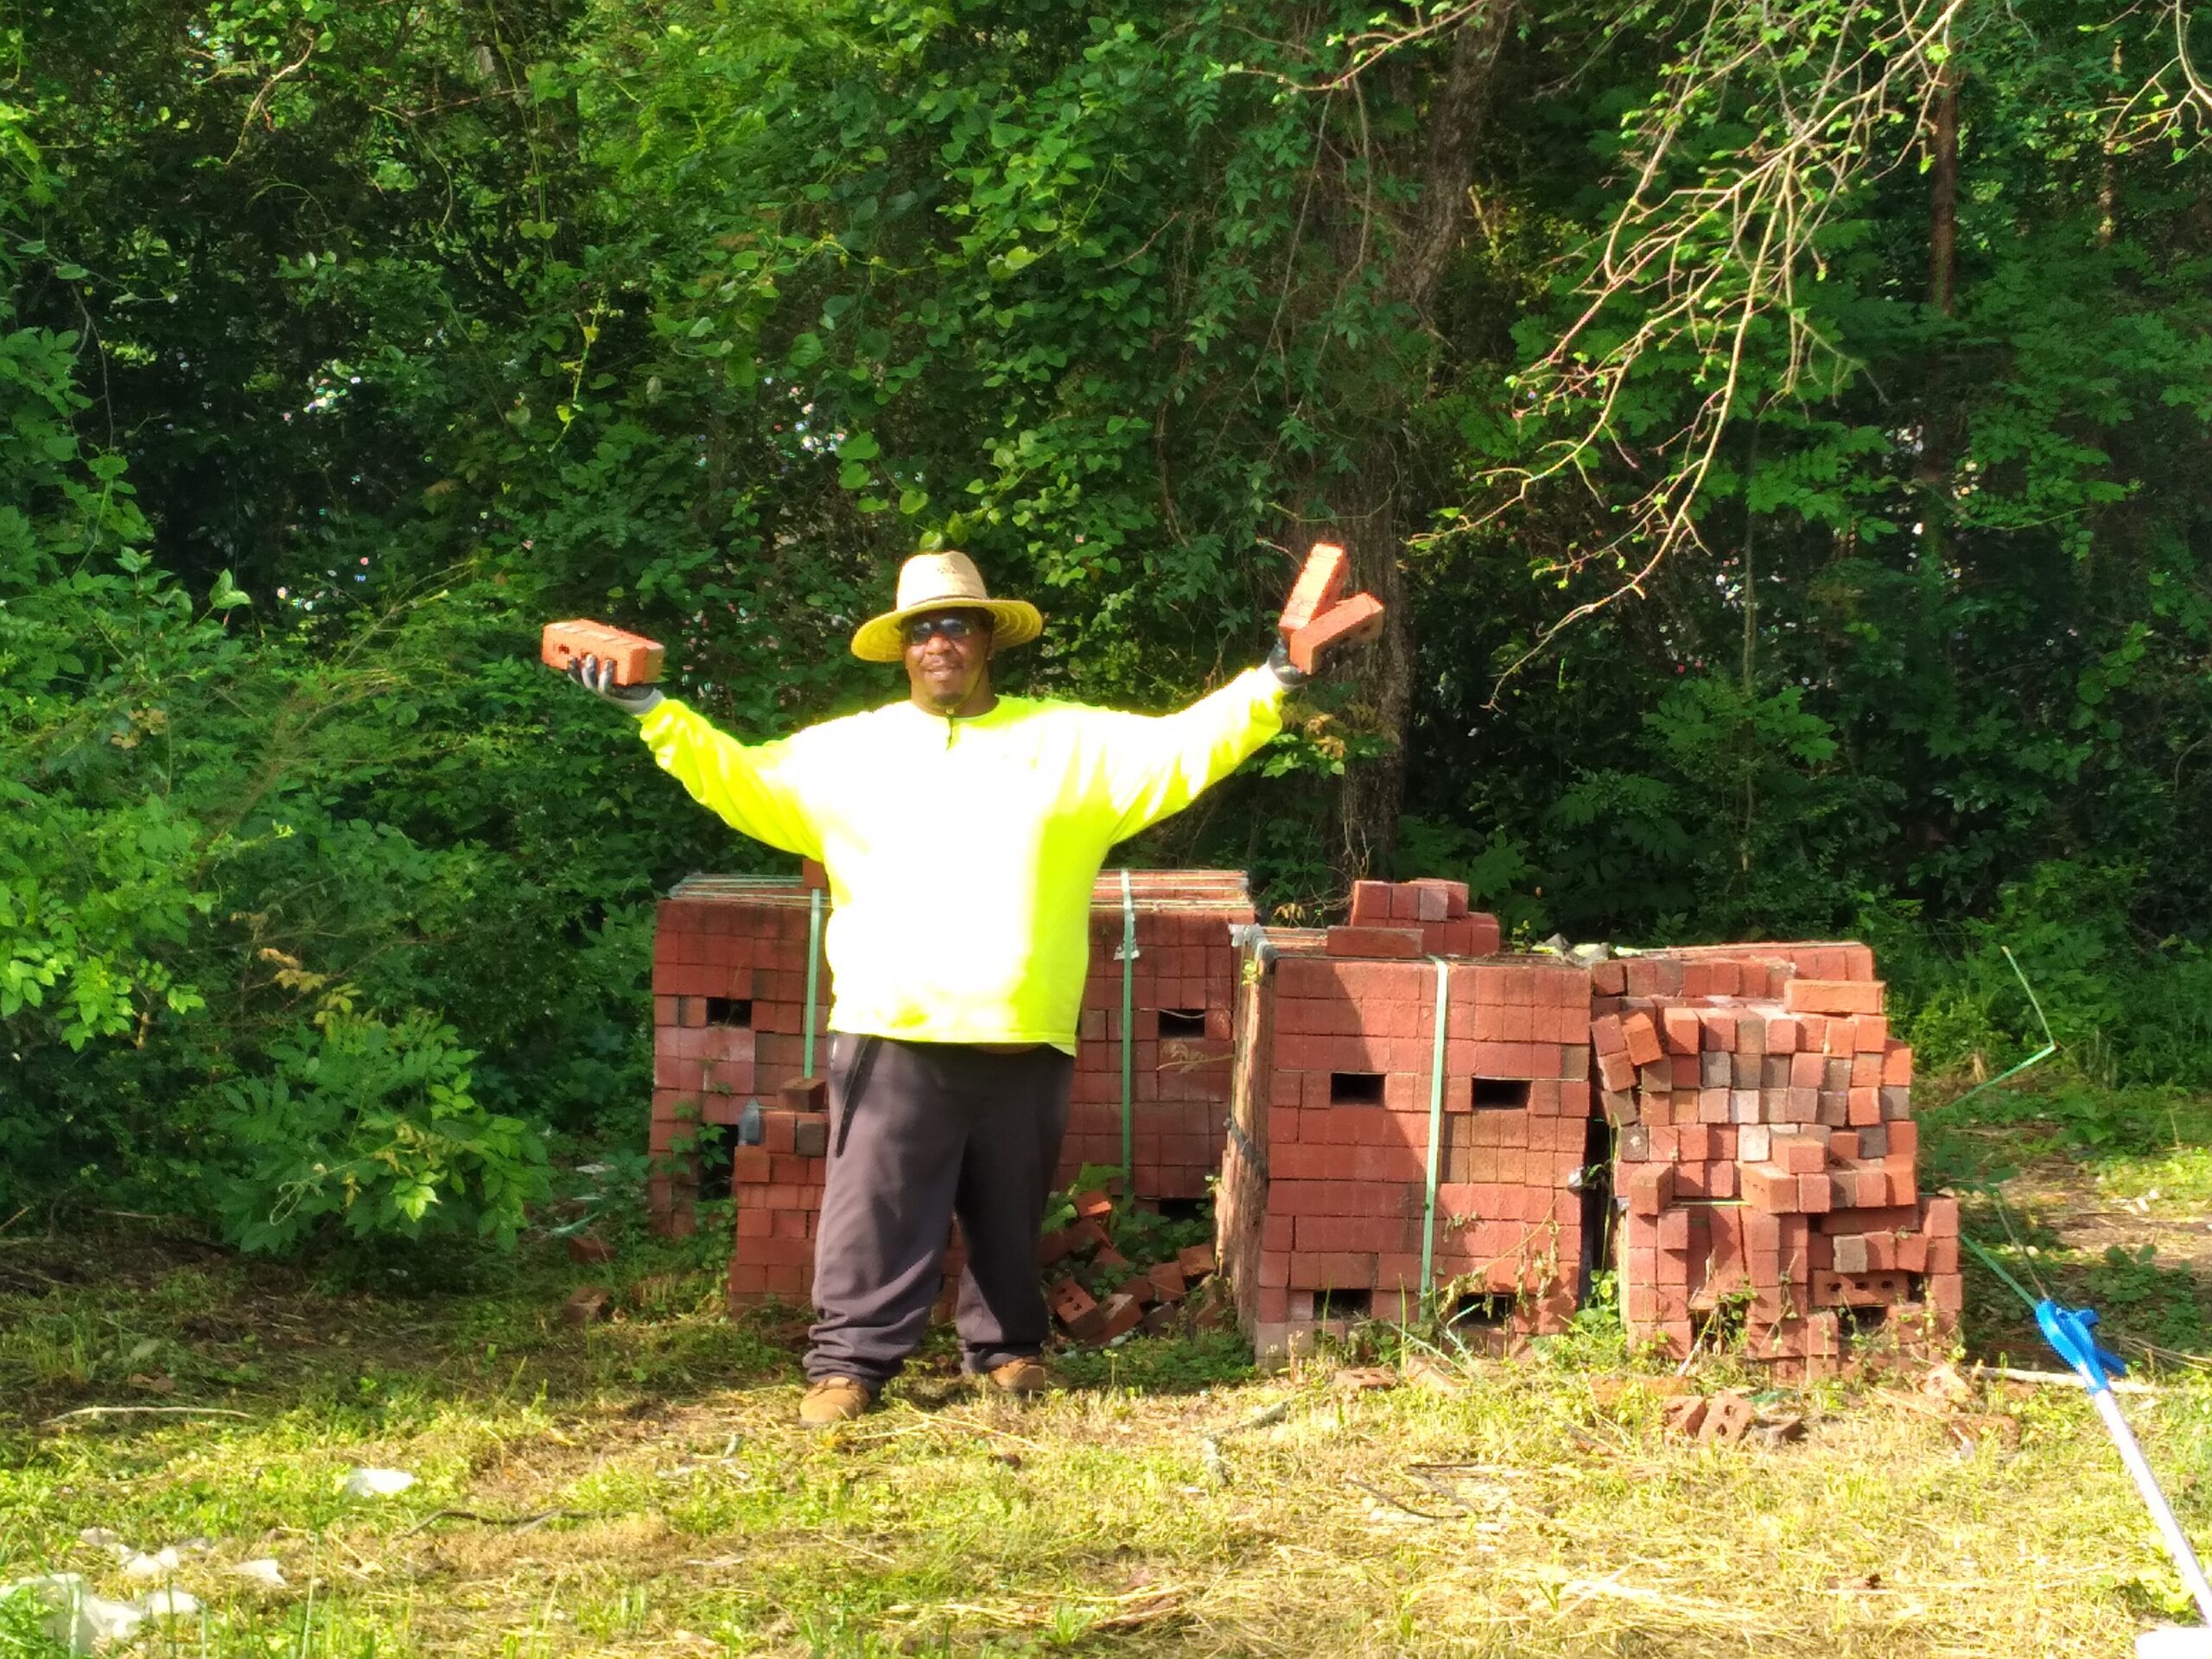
x: 376, y: 1483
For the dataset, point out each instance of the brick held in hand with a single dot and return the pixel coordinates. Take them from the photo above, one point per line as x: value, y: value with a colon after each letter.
x: 636, y: 660
x: 810, y: 1135
x: 1358, y: 620
x: 1318, y: 587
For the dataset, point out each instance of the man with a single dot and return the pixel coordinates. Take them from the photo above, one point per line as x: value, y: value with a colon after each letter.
x: 961, y: 831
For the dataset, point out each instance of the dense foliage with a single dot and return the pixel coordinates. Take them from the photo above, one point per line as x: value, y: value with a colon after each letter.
x: 1776, y: 432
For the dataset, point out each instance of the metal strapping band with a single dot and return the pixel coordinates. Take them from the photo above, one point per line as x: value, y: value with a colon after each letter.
x: 1128, y: 1044
x: 1435, y: 1124
x: 813, y: 971
x: 1244, y: 1144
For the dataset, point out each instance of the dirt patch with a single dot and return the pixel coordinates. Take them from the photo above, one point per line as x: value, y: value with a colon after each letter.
x: 2065, y: 1197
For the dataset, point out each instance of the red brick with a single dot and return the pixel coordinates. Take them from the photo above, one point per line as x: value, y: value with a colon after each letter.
x: 1320, y: 584
x: 1356, y: 620
x: 636, y: 660
x: 1650, y: 1188
x: 1398, y: 941
x: 1768, y: 1189
x: 1642, y: 1037
x: 1836, y: 996
x: 1799, y: 1154
x: 1679, y: 1030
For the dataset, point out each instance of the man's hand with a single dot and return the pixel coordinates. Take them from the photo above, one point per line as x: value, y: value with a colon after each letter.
x: 596, y: 676
x: 1279, y: 660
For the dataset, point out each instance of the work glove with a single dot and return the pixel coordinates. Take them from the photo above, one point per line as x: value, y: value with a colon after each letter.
x: 596, y: 676
x: 1286, y: 674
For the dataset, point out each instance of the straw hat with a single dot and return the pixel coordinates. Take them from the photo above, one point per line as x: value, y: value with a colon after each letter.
x: 939, y: 581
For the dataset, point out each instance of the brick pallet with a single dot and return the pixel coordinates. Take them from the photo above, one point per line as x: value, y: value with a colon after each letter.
x: 729, y: 1016
x: 1183, y: 985
x: 1323, y: 1195
x: 1767, y: 1156
x: 1182, y: 979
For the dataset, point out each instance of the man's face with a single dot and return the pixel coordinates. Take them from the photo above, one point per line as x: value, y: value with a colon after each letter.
x: 948, y: 657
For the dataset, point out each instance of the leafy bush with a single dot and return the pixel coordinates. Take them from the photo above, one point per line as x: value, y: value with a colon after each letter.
x: 371, y: 1126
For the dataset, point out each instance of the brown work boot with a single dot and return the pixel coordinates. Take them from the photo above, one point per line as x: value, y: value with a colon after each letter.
x: 1022, y: 1376
x: 834, y: 1400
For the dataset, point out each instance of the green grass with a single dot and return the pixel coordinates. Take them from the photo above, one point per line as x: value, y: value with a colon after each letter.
x: 641, y: 1487
x: 2090, y: 1194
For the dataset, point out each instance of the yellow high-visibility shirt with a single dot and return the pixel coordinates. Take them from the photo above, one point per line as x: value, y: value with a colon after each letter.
x: 961, y: 852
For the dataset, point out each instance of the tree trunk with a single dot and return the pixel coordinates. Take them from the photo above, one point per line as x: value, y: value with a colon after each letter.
x: 1933, y: 470
x: 1943, y: 191
x: 1362, y: 518
x: 1363, y: 506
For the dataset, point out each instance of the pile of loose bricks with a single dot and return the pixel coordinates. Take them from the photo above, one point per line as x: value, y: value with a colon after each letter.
x: 729, y: 977
x: 1744, y: 1108
x: 1082, y: 1251
x: 1767, y: 1156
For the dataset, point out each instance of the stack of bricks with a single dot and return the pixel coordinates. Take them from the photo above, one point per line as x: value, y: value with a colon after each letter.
x: 777, y: 1185
x: 1183, y: 980
x: 1323, y: 1190
x: 1385, y: 913
x: 1183, y: 986
x: 1767, y: 1154
x: 729, y: 1016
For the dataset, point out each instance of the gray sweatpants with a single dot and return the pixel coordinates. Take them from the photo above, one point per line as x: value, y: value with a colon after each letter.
x: 920, y: 1133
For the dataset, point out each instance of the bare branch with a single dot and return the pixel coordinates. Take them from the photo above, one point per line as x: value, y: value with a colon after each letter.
x: 1702, y: 251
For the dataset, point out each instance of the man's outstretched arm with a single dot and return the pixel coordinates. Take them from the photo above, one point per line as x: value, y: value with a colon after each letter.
x: 750, y: 787
x: 1154, y: 767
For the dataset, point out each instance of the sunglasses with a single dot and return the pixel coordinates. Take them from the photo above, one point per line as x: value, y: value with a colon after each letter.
x: 954, y: 628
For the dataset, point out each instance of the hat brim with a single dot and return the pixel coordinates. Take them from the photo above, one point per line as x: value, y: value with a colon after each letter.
x: 1013, y: 622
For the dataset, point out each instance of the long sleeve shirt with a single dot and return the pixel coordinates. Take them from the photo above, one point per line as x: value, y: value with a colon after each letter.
x: 960, y: 851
